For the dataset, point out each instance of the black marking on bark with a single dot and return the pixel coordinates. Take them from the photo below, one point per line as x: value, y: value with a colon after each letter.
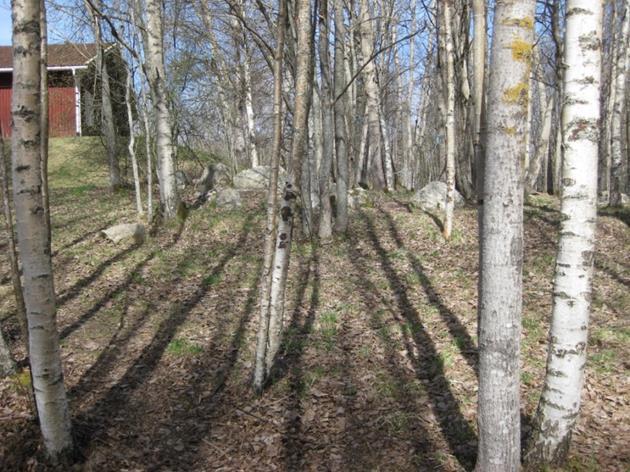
x: 286, y: 213
x: 22, y: 168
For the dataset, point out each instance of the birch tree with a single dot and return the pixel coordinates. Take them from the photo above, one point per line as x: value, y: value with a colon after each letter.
x: 500, y: 297
x: 560, y: 401
x: 622, y: 58
x: 291, y: 192
x: 132, y: 143
x: 157, y: 76
x: 377, y: 177
x: 447, y: 8
x: 7, y: 365
x: 39, y: 294
x: 107, y: 113
x: 262, y: 340
x: 341, y: 136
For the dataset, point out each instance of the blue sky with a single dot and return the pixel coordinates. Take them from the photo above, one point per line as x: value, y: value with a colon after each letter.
x: 5, y: 23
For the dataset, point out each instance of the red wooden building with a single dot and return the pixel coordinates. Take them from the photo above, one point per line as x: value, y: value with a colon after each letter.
x: 67, y: 68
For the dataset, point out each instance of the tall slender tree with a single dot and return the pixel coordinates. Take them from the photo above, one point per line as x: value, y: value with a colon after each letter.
x: 560, y: 401
x: 157, y: 80
x: 500, y: 297
x: 447, y: 12
x: 39, y: 293
x: 262, y: 341
x: 622, y: 59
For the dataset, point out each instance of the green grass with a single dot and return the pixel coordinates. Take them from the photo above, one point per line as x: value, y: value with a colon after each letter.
x: 183, y: 348
x: 603, y: 361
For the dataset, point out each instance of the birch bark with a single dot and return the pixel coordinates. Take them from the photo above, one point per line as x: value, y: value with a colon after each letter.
x: 616, y: 133
x: 39, y: 294
x: 450, y: 119
x: 157, y: 76
x: 560, y: 401
x: 260, y: 368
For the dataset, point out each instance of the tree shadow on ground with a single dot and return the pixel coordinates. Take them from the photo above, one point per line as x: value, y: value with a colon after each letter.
x: 455, y: 327
x: 204, y: 394
x: 95, y: 422
x: 427, y: 363
x: 290, y: 361
x: 357, y: 454
x: 118, y: 289
x: 82, y: 238
x: 76, y: 289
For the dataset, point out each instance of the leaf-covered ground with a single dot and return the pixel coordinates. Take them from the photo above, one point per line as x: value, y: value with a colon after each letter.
x: 378, y: 366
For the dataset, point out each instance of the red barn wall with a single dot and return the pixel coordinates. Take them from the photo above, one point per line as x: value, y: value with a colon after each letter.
x: 61, y: 108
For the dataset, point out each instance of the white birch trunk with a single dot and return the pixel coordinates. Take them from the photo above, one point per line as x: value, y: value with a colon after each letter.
x: 132, y: 145
x: 148, y: 151
x: 376, y: 175
x: 450, y: 120
x: 157, y: 77
x: 616, y: 133
x: 39, y: 294
x: 500, y: 297
x: 262, y: 339
x: 560, y: 401
x: 282, y: 252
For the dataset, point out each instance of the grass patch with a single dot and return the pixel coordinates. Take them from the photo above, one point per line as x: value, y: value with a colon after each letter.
x: 604, y: 361
x: 183, y: 348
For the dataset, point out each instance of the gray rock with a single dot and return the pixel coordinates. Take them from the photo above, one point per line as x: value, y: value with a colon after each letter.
x: 433, y: 196
x: 228, y: 198
x: 125, y: 231
x: 257, y: 178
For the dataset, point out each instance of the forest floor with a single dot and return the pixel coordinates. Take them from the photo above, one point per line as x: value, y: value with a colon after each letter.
x: 378, y: 367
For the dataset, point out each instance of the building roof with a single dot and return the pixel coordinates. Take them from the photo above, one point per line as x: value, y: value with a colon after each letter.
x: 59, y: 55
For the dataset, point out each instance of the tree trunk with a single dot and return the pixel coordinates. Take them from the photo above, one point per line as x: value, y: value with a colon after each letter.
x: 262, y: 341
x: 165, y: 151
x: 247, y: 90
x: 541, y: 149
x: 44, y: 119
x: 7, y: 366
x: 132, y: 145
x: 341, y: 144
x: 107, y: 113
x: 450, y: 119
x: 616, y: 133
x: 148, y: 151
x: 560, y: 401
x: 376, y: 176
x: 291, y: 191
x: 328, y: 131
x: 500, y: 296
x: 479, y: 81
x: 39, y: 294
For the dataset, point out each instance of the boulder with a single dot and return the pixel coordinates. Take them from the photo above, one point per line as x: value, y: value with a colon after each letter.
x: 433, y: 196
x: 257, y: 178
x: 221, y: 175
x: 125, y: 231
x: 228, y: 198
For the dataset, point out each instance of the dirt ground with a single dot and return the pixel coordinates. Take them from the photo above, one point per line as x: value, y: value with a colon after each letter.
x: 378, y: 367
